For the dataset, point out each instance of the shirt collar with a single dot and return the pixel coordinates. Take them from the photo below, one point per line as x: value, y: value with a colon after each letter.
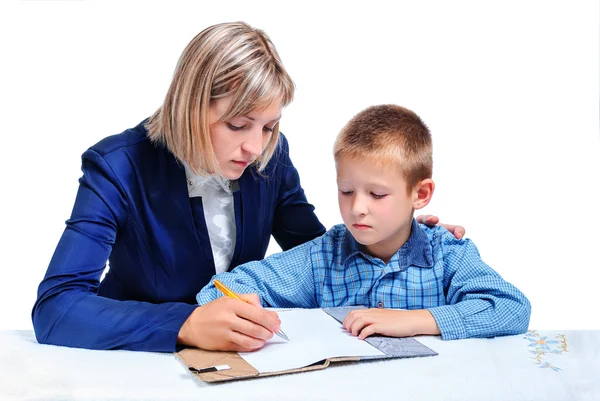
x: 416, y: 251
x: 196, y: 182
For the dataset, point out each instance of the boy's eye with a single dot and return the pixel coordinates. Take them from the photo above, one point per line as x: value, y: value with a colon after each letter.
x: 234, y: 127
x: 346, y: 193
x: 377, y: 196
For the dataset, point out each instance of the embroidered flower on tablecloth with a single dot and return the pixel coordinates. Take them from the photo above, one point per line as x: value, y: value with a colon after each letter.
x: 544, y: 346
x: 541, y: 342
x: 548, y: 365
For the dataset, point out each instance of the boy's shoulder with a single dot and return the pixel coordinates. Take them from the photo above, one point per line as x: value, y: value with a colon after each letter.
x: 337, y: 231
x: 337, y: 240
x: 335, y: 235
x: 439, y: 233
x: 339, y: 235
x: 443, y: 242
x: 435, y: 233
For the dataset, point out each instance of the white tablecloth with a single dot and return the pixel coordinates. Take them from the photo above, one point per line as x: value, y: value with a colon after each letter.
x: 544, y: 365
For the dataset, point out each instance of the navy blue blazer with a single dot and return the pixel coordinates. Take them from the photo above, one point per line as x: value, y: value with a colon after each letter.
x: 133, y: 209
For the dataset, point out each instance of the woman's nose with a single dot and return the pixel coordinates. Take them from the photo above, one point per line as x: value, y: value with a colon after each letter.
x: 254, y: 143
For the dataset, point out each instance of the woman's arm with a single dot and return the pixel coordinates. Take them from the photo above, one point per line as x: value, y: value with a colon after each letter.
x: 294, y: 220
x: 68, y: 310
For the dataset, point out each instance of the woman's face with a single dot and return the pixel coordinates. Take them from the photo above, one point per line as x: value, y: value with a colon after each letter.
x: 237, y: 142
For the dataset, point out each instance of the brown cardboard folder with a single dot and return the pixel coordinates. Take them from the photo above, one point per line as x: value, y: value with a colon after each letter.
x: 198, y: 359
x: 240, y: 369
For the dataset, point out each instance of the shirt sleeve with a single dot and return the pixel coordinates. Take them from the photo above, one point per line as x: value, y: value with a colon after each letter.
x: 294, y: 220
x: 68, y: 310
x: 479, y: 303
x: 283, y: 280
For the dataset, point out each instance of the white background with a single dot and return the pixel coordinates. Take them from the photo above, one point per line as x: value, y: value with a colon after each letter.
x: 509, y: 89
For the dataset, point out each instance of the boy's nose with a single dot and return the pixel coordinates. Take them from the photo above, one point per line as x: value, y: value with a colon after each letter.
x: 359, y: 207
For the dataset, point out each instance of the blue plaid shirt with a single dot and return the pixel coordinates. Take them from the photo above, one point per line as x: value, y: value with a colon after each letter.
x: 432, y: 270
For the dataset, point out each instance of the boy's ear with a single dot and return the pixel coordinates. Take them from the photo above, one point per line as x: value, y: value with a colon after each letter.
x: 423, y: 193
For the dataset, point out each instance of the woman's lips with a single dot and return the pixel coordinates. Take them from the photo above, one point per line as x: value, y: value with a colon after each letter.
x: 241, y: 163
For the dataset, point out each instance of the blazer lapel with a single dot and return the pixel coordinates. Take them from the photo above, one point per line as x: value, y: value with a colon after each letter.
x: 173, y: 208
x: 249, y: 219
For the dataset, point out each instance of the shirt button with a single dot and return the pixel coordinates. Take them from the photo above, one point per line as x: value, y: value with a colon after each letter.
x: 380, y: 305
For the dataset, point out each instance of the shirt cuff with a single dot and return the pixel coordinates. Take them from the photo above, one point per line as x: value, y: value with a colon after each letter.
x: 450, y: 322
x: 208, y: 294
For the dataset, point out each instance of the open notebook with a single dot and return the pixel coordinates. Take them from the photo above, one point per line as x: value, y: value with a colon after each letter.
x: 317, y: 338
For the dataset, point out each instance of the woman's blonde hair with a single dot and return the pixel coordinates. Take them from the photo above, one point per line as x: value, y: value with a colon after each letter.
x: 222, y: 60
x: 390, y: 136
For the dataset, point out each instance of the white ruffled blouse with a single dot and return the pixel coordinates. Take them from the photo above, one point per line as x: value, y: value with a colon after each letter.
x: 217, y: 202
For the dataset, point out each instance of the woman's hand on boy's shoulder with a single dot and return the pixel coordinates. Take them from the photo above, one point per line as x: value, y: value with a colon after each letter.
x: 390, y: 322
x: 431, y: 220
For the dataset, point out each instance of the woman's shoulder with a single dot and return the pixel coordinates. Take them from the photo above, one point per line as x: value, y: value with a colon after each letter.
x: 131, y: 154
x: 131, y: 137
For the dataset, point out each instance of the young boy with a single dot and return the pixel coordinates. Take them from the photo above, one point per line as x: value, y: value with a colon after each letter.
x: 415, y: 279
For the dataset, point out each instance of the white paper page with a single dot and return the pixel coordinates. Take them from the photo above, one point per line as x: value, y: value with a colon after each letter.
x: 314, y: 336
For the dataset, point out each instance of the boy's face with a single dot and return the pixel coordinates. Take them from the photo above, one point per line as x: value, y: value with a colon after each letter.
x: 375, y: 205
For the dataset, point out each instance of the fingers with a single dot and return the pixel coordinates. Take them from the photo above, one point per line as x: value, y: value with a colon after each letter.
x: 457, y: 231
x: 367, y: 331
x: 355, y: 321
x: 242, y: 343
x: 251, y: 329
x: 228, y: 324
x: 431, y: 220
x: 252, y: 299
x: 428, y: 219
x: 253, y: 325
x: 348, y: 320
x: 258, y: 316
x: 360, y: 323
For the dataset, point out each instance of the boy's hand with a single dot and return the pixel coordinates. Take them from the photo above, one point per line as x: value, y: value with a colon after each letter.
x: 388, y: 322
x: 432, y: 220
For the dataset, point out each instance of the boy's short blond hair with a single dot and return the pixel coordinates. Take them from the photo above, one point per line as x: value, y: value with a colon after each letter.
x: 222, y: 60
x: 392, y: 137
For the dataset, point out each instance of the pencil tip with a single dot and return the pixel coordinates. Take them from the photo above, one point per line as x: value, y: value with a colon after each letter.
x: 281, y: 334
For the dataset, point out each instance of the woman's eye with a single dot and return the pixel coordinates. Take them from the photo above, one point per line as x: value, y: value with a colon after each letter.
x: 377, y: 196
x: 268, y: 129
x: 234, y: 127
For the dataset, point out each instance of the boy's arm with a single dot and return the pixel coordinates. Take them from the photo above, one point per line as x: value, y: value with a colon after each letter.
x: 479, y: 303
x: 283, y: 280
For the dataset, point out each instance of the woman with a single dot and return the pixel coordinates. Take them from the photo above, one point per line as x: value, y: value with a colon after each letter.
x: 196, y: 189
